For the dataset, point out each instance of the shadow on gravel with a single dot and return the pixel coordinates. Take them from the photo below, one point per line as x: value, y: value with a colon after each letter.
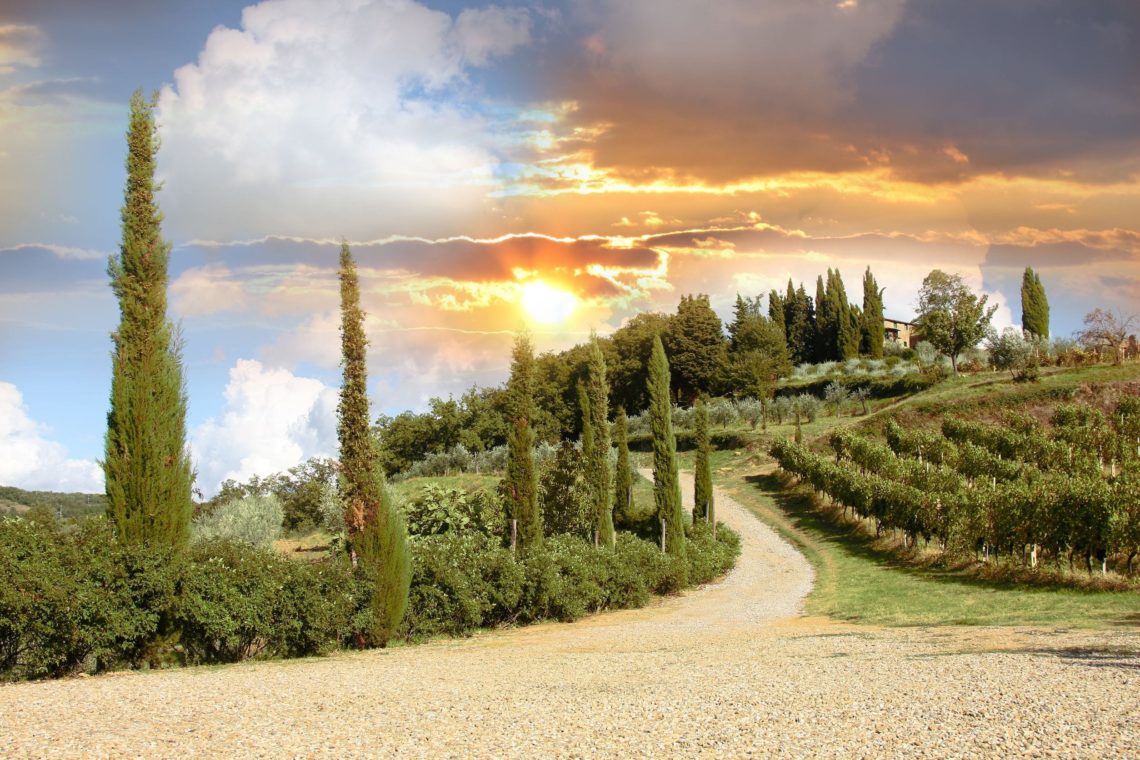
x: 1093, y: 657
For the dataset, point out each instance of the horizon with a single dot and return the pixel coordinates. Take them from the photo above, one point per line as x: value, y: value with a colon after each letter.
x: 468, y: 152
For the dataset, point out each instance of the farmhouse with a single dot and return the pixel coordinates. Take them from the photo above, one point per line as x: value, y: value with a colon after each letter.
x: 898, y: 331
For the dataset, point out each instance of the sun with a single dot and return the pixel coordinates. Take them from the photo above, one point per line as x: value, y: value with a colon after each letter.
x: 546, y: 304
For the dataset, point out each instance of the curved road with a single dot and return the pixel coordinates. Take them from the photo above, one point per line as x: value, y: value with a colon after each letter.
x: 726, y: 670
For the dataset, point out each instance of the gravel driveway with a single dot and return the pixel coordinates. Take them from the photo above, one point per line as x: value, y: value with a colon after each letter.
x: 727, y: 670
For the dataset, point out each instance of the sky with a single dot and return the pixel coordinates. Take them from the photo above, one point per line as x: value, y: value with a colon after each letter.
x: 624, y: 152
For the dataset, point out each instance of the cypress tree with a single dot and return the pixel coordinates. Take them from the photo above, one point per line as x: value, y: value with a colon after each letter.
x: 873, y: 328
x: 703, y: 507
x: 846, y: 328
x: 666, y: 482
x: 376, y: 535
x: 776, y: 313
x: 825, y: 322
x: 146, y: 465
x: 520, y: 484
x: 598, y: 455
x: 1034, y: 305
x: 587, y: 419
x: 800, y: 321
x: 623, y: 474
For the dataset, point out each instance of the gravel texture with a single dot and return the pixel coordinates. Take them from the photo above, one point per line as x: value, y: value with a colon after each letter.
x: 728, y: 670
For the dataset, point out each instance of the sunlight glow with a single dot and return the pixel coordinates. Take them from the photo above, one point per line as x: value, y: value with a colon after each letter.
x: 546, y: 304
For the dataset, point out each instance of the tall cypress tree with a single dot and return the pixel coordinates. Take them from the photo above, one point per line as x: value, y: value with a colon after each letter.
x: 846, y: 328
x: 776, y: 312
x: 146, y: 465
x: 1034, y: 305
x: 598, y: 455
x: 825, y: 322
x: 623, y: 474
x: 520, y: 483
x: 873, y: 328
x: 377, y: 537
x: 703, y: 507
x: 800, y: 321
x: 587, y: 439
x: 666, y: 482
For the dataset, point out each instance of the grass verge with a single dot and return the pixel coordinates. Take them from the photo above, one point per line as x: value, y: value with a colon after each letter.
x: 858, y: 583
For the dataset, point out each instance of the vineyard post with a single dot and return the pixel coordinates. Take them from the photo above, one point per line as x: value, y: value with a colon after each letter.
x: 662, y: 534
x: 514, y: 535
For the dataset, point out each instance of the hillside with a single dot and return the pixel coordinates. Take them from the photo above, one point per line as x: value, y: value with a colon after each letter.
x: 18, y: 501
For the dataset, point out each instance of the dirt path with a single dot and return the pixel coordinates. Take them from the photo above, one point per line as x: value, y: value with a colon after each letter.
x: 726, y: 670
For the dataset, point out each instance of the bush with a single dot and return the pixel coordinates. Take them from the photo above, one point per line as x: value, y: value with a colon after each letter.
x: 708, y: 557
x: 441, y: 510
x: 236, y: 601
x: 74, y: 599
x: 253, y: 520
x: 564, y: 493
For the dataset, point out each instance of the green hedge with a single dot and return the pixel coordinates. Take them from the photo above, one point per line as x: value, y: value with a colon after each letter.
x: 74, y: 600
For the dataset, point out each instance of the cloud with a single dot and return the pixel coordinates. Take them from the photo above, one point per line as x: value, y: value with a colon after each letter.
x: 19, y: 46
x: 206, y: 290
x: 933, y: 92
x: 271, y: 421
x: 335, y: 117
x: 30, y: 460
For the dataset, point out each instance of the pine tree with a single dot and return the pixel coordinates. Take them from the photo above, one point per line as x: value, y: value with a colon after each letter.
x: 1034, y: 305
x: 623, y: 474
x: 146, y: 465
x: 703, y: 507
x: 666, y: 482
x: 598, y: 455
x: 873, y: 328
x: 520, y: 484
x: 376, y: 534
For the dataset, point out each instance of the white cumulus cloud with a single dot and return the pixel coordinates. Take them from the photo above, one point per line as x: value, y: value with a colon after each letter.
x: 272, y: 420
x: 333, y: 117
x: 30, y: 460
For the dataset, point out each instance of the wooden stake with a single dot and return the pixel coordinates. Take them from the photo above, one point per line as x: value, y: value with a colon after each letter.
x: 662, y: 535
x: 514, y: 535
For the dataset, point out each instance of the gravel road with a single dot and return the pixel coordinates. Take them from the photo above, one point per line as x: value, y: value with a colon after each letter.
x: 727, y: 670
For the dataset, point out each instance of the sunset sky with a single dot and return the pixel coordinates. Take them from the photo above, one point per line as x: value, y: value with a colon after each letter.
x: 623, y: 151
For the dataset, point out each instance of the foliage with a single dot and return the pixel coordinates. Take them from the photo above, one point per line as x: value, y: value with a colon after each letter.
x: 696, y: 347
x: 63, y: 504
x: 1106, y: 330
x: 623, y: 473
x: 567, y: 496
x: 520, y: 483
x: 146, y: 464
x: 253, y: 520
x: 704, y: 507
x: 950, y: 316
x: 835, y: 396
x: 375, y: 532
x: 1034, y: 305
x: 599, y: 476
x: 1011, y: 351
x: 872, y: 329
x: 437, y: 510
x: 666, y: 482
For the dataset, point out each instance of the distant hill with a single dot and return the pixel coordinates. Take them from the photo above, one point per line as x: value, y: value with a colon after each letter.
x: 18, y: 501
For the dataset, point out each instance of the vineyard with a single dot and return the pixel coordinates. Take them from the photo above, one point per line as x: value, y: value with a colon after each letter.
x: 1017, y: 491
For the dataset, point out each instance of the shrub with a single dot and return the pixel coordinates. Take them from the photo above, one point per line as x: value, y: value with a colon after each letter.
x: 253, y: 520
x: 709, y: 557
x: 441, y: 510
x: 236, y: 601
x: 565, y: 494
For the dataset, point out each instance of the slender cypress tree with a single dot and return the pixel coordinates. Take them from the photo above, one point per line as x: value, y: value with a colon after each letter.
x: 623, y: 474
x: 666, y: 482
x: 825, y: 322
x: 703, y: 506
x: 377, y: 536
x: 520, y: 484
x: 846, y: 328
x: 146, y: 465
x: 873, y: 327
x: 776, y: 312
x: 1034, y: 305
x: 587, y: 439
x: 598, y: 455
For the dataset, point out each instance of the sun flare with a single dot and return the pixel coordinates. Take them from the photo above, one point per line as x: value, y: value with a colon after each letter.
x: 546, y: 304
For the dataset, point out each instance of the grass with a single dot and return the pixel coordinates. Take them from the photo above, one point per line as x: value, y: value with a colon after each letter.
x: 412, y: 488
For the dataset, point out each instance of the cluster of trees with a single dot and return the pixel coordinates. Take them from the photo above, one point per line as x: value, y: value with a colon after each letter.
x: 830, y: 328
x: 1013, y: 489
x: 147, y: 463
